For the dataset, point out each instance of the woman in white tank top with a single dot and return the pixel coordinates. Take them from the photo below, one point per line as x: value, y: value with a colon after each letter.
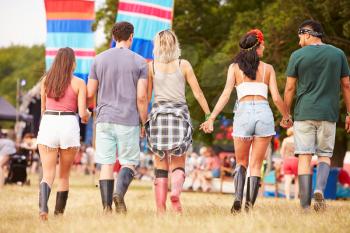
x: 253, y: 120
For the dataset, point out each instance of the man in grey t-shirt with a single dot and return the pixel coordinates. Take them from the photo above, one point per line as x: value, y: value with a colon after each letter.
x: 119, y: 76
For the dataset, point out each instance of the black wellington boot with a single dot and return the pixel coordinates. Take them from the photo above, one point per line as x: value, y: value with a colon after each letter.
x: 239, y: 182
x: 61, y: 200
x: 106, y: 189
x: 305, y: 190
x: 252, y: 191
x: 44, y: 194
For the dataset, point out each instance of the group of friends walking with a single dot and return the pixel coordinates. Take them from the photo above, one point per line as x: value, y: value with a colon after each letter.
x: 124, y: 82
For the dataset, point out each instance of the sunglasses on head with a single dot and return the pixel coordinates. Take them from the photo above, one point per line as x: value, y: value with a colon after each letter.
x: 302, y: 31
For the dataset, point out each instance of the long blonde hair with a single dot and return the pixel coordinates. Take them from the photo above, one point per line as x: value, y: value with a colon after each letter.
x: 166, y: 47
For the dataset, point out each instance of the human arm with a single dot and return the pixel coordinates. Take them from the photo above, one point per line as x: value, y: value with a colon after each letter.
x: 207, y: 126
x: 150, y: 81
x: 82, y: 107
x: 92, y: 85
x: 277, y: 100
x: 345, y: 86
x: 43, y: 96
x: 196, y: 89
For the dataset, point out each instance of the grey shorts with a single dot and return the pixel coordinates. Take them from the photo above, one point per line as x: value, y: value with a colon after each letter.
x: 314, y: 137
x: 253, y: 119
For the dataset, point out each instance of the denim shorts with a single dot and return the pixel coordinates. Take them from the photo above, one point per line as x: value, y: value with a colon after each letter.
x: 253, y: 119
x: 314, y: 137
x: 111, y: 137
x: 59, y: 131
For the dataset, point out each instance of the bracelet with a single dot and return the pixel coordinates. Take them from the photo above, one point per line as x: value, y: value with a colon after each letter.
x: 348, y: 114
x: 207, y: 116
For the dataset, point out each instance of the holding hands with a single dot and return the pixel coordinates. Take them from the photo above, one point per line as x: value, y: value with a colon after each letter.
x: 86, y: 117
x: 286, y: 122
x: 207, y: 126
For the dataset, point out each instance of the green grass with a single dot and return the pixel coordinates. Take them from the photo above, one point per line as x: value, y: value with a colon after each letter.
x: 201, y: 213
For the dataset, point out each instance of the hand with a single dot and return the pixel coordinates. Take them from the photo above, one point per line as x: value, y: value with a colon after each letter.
x: 286, y: 122
x: 142, y: 132
x: 347, y: 124
x: 86, y: 118
x: 207, y: 126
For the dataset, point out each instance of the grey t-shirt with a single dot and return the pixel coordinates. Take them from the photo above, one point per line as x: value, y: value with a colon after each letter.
x: 118, y: 71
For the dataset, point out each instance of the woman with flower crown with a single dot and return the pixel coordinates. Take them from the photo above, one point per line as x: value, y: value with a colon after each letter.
x: 253, y: 118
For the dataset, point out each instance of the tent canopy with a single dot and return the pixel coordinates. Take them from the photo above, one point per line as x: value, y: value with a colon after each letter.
x: 8, y: 112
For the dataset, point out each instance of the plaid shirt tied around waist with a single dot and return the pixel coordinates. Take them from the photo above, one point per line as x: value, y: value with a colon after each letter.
x: 169, y: 129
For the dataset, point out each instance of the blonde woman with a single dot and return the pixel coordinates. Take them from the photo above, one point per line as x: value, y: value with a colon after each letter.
x: 169, y: 129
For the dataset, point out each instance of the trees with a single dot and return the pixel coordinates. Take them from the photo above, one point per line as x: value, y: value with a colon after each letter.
x: 20, y: 62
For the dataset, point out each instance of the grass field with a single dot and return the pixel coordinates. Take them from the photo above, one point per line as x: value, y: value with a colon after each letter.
x: 202, y: 213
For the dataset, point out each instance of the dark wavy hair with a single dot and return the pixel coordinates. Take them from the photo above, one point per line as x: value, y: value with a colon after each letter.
x: 247, y: 58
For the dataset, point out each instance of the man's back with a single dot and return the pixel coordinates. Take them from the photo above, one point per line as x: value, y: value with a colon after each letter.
x: 118, y: 71
x: 318, y: 69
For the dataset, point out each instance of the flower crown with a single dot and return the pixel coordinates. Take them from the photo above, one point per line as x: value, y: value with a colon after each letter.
x: 259, y: 36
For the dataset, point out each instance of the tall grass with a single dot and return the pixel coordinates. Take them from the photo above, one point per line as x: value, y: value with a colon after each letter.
x: 201, y: 213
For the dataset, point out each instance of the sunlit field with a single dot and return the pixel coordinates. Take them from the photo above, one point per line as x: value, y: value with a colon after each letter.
x: 202, y: 213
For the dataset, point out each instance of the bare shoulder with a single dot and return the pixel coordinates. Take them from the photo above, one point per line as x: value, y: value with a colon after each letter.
x: 185, y: 64
x: 77, y: 83
x: 232, y: 66
x: 269, y: 67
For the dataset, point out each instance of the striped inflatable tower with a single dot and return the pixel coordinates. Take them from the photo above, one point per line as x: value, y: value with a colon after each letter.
x: 69, y: 25
x: 148, y: 18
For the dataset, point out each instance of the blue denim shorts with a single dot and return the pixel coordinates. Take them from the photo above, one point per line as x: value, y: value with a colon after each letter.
x: 112, y: 137
x: 253, y: 119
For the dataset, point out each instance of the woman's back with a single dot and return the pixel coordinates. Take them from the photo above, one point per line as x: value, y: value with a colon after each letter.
x: 68, y: 102
x: 248, y: 89
x: 169, y: 82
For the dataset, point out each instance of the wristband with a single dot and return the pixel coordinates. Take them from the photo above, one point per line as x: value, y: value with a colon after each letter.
x: 207, y: 116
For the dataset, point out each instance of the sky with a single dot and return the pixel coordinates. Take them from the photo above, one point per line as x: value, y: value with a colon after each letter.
x: 23, y: 22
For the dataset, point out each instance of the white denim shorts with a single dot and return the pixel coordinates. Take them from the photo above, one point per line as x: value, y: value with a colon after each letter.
x: 314, y: 137
x: 59, y: 131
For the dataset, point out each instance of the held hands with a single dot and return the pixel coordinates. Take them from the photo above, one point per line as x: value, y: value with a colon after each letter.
x: 286, y: 122
x: 347, y: 124
x: 86, y: 118
x: 207, y: 126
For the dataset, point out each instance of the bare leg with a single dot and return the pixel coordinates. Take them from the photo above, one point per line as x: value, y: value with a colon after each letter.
x: 48, y: 158
x: 287, y: 183
x: 65, y: 164
x: 260, y: 145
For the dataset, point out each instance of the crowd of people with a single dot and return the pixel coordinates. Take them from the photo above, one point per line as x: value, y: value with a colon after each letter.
x: 123, y: 83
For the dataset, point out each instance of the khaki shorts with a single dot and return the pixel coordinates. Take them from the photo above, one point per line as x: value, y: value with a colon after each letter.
x: 314, y: 137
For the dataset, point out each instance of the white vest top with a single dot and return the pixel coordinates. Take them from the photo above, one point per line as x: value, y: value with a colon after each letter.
x: 252, y: 88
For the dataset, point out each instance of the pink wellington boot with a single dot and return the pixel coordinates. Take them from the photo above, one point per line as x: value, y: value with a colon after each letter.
x: 177, y: 181
x: 161, y: 191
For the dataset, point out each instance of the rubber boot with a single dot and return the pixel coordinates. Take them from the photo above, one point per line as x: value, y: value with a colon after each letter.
x: 253, y: 187
x: 106, y: 189
x: 125, y: 176
x: 161, y: 191
x: 239, y: 182
x: 61, y: 200
x: 305, y: 189
x: 321, y: 182
x: 177, y: 181
x: 44, y: 194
